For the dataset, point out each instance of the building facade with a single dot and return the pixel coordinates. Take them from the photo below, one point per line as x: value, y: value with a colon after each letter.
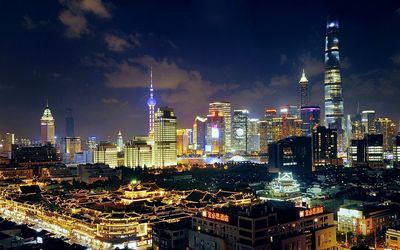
x: 47, y: 127
x: 165, y: 138
x: 310, y: 117
x: 225, y: 109
x: 215, y: 133
x: 304, y: 91
x: 199, y: 133
x: 240, y: 130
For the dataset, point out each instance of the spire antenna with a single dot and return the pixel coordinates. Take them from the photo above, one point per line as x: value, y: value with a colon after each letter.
x: 151, y: 77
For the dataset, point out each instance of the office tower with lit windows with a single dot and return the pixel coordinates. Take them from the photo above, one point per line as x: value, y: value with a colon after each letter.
x: 69, y: 124
x: 199, y: 133
x: 240, y: 130
x: 276, y: 129
x: 270, y: 114
x: 334, y: 111
x: 368, y: 121
x: 47, y: 127
x: 324, y: 141
x: 120, y: 142
x: 291, y: 123
x: 367, y: 151
x: 164, y: 137
x: 8, y: 141
x: 182, y: 141
x: 253, y: 135
x: 388, y: 129
x: 310, y: 116
x: 304, y: 91
x: 225, y: 109
x: 151, y: 102
x: 396, y: 151
x: 138, y: 153
x: 71, y: 146
x: 357, y: 129
x: 106, y: 153
x: 215, y: 133
x: 264, y: 133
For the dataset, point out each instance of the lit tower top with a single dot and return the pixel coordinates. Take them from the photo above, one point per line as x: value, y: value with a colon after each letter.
x: 47, y: 126
x: 304, y: 97
x: 151, y: 102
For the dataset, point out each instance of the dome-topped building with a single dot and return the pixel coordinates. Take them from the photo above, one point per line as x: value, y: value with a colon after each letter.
x: 47, y: 127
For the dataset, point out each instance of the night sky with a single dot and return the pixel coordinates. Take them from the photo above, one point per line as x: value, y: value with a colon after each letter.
x: 93, y: 56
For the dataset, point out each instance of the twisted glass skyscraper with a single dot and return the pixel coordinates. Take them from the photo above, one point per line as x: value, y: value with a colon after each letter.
x: 334, y: 114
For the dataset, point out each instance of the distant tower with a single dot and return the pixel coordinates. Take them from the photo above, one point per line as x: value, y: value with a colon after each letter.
x: 304, y: 97
x: 47, y: 127
x: 334, y: 113
x: 69, y: 124
x: 120, y: 142
x: 152, y: 103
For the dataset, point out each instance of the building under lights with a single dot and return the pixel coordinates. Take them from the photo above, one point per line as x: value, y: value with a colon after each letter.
x: 334, y: 111
x: 266, y: 128
x: 199, y: 133
x: 151, y: 102
x: 182, y: 141
x: 388, y: 129
x: 71, y: 146
x: 165, y: 138
x: 106, y: 153
x: 120, y: 142
x: 215, y: 133
x: 324, y: 142
x: 47, y: 127
x: 240, y: 130
x: 225, y: 109
x: 138, y: 153
x: 367, y: 152
x: 253, y: 135
x: 396, y: 151
x: 304, y: 91
x: 368, y: 121
x: 310, y: 116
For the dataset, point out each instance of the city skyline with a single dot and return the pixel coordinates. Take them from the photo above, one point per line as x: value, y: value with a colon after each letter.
x: 107, y: 84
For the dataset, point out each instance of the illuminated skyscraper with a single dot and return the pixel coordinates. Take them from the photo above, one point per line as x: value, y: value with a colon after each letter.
x: 165, y: 137
x: 388, y: 129
x: 310, y: 116
x: 47, y: 127
x: 368, y: 121
x: 334, y: 111
x: 182, y: 141
x: 199, y: 132
x: 151, y: 102
x: 304, y: 92
x: 240, y: 130
x: 106, y: 153
x: 120, y: 142
x: 253, y: 135
x: 225, y: 109
x: 215, y: 133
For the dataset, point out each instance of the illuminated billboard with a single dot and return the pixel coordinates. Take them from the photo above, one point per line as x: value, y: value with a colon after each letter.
x: 214, y: 133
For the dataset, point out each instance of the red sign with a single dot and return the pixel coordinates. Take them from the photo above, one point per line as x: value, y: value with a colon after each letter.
x: 312, y: 211
x: 215, y: 216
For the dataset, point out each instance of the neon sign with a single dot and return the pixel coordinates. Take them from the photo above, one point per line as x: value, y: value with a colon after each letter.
x: 215, y: 216
x: 311, y: 211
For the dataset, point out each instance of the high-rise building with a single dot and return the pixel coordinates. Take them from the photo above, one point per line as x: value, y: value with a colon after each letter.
x: 291, y: 123
x: 367, y: 152
x: 324, y: 142
x: 199, y: 133
x: 253, y: 135
x: 225, y: 109
x: 138, y: 153
x: 388, y: 129
x: 69, y: 124
x: 71, y: 146
x: 334, y: 111
x: 9, y: 140
x: 164, y: 137
x: 120, y: 142
x: 291, y: 154
x: 304, y: 92
x: 215, y: 133
x: 396, y: 151
x: 310, y: 116
x: 151, y: 102
x: 276, y: 129
x: 106, y: 153
x: 182, y: 141
x: 264, y: 133
x: 240, y: 130
x: 357, y: 129
x: 47, y: 127
x: 368, y: 121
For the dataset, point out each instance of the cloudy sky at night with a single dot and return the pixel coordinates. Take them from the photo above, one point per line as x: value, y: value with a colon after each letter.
x: 94, y: 56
